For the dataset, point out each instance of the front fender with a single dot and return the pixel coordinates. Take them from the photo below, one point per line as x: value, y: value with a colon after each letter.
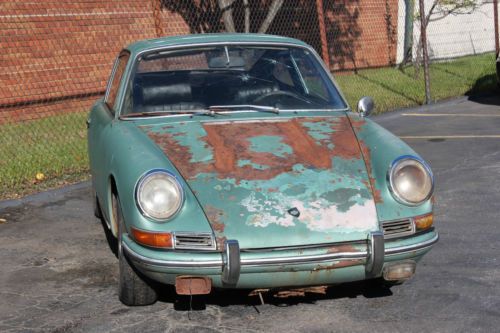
x: 380, y: 148
x: 132, y: 155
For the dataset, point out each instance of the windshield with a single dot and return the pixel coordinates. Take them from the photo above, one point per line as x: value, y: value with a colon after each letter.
x: 285, y: 78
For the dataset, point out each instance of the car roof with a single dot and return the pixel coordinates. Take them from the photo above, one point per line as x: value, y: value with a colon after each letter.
x: 156, y: 43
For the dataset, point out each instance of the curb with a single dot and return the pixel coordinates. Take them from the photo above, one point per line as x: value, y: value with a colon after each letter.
x: 44, y: 196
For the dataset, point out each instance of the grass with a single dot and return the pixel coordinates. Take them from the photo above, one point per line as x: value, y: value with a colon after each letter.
x: 393, y: 89
x: 54, y: 146
x: 57, y: 146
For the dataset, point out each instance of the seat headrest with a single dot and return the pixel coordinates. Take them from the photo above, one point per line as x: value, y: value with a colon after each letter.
x: 166, y: 94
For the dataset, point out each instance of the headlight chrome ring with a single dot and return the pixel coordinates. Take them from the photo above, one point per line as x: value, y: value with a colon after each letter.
x: 159, y: 195
x: 410, y: 180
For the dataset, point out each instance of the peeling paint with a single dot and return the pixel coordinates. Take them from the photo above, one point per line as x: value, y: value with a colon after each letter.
x: 214, y: 216
x: 260, y: 170
x: 377, y: 197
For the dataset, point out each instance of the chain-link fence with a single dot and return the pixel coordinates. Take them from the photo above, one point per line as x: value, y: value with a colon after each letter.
x: 56, y: 57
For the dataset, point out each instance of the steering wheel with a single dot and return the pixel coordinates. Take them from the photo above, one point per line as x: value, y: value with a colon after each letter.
x: 280, y: 93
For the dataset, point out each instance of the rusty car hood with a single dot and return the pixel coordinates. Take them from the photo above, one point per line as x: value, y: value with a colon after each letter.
x: 274, y: 182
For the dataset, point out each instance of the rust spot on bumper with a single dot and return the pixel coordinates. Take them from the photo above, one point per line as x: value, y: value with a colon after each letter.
x: 342, y: 248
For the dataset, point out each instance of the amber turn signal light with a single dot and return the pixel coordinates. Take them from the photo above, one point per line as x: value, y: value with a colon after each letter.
x: 153, y: 239
x: 424, y: 222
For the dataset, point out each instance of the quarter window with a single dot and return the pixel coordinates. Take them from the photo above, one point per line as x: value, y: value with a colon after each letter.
x: 115, y: 81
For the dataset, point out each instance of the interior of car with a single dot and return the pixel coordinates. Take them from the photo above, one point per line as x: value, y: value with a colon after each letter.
x: 274, y: 79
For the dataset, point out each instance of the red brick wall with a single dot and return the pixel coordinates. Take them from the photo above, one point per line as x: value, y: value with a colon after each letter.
x: 361, y: 33
x: 56, y: 56
x: 56, y: 53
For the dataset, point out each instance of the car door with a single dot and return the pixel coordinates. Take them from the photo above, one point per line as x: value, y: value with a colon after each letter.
x: 101, y: 124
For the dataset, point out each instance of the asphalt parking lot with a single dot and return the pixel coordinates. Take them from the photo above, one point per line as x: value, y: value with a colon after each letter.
x: 59, y: 275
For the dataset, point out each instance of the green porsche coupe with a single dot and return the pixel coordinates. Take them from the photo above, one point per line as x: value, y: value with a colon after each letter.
x: 234, y: 161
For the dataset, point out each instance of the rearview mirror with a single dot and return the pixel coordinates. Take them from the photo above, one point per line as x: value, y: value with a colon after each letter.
x: 226, y: 62
x: 365, y: 106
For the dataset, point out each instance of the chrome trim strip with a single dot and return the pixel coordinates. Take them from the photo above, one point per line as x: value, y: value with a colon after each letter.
x: 413, y: 247
x: 295, y: 260
x: 170, y: 263
x: 110, y: 79
x: 304, y: 259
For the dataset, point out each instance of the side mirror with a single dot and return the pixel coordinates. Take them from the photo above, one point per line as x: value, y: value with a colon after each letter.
x: 365, y: 106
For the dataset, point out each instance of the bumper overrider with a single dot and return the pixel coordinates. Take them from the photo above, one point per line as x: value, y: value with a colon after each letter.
x: 394, y: 259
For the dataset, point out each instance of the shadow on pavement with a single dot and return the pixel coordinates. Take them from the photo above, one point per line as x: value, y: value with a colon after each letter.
x: 279, y: 298
x: 485, y: 90
x: 111, y: 240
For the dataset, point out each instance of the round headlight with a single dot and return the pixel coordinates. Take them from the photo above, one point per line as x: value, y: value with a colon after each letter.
x: 159, y: 195
x: 410, y: 180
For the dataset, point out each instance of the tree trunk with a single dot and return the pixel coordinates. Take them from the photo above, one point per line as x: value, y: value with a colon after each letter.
x: 247, y: 16
x: 408, y: 41
x: 425, y: 55
x: 419, y: 57
x: 227, y: 14
x: 273, y: 10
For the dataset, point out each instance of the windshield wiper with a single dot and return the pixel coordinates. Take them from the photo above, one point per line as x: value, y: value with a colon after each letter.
x: 201, y: 112
x: 252, y: 107
x: 211, y: 111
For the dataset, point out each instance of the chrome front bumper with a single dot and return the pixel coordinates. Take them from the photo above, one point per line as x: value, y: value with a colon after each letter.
x: 232, y: 261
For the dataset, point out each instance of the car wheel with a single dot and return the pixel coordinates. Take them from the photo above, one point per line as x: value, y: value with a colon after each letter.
x: 133, y: 289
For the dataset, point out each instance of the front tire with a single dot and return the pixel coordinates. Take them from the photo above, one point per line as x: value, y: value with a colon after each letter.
x: 133, y: 289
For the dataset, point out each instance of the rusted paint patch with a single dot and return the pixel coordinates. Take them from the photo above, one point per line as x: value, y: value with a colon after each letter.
x: 346, y: 145
x: 214, y: 216
x: 377, y: 196
x: 357, y: 125
x: 230, y: 143
x: 342, y: 248
x: 220, y: 242
x: 178, y: 154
